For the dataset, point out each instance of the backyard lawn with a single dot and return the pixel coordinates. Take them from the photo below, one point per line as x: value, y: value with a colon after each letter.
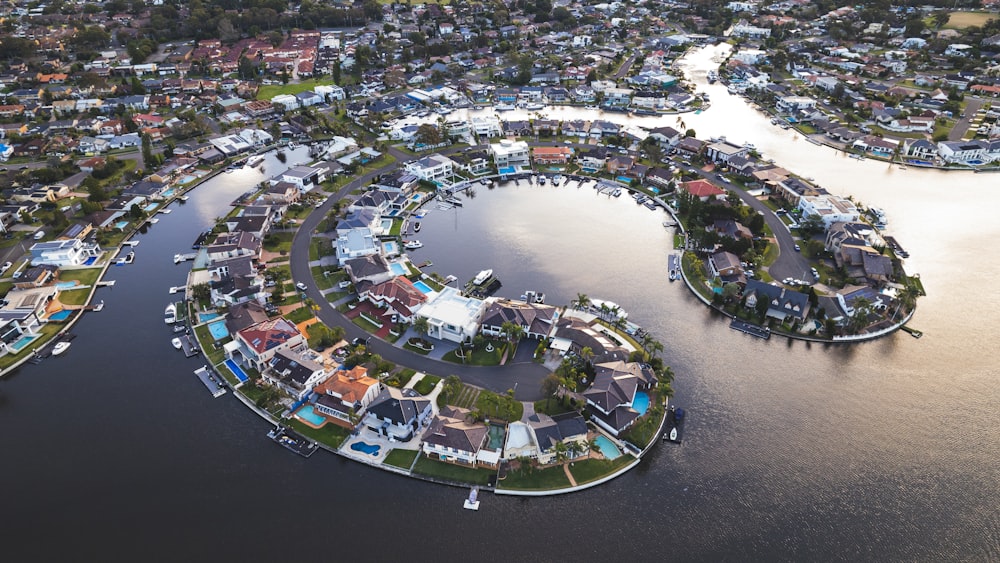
x: 536, y: 479
x: 268, y: 91
x: 589, y: 470
x: 450, y: 472
x: 400, y: 458
x: 330, y: 434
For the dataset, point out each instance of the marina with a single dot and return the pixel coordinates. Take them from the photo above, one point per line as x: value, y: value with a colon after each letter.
x: 212, y: 383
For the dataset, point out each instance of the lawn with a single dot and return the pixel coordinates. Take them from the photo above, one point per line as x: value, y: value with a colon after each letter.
x: 589, y: 470
x: 553, y: 406
x: 645, y: 430
x: 479, y: 357
x: 536, y: 480
x: 451, y: 472
x: 86, y: 276
x: 74, y: 297
x: 426, y: 385
x: 400, y: 458
x: 278, y: 242
x: 208, y: 345
x: 401, y: 378
x: 47, y: 331
x: 268, y: 91
x: 330, y: 434
x: 298, y: 315
x: 503, y: 408
x: 962, y: 20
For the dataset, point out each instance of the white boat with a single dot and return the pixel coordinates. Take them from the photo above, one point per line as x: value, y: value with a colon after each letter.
x: 59, y: 348
x: 503, y: 107
x: 673, y: 433
x: 481, y: 277
x: 531, y: 106
x: 177, y: 343
x: 413, y: 244
x: 170, y: 314
x: 472, y: 503
x: 541, y: 180
x: 556, y: 179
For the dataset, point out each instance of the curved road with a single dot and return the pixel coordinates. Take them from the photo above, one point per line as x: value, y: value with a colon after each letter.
x: 525, y: 378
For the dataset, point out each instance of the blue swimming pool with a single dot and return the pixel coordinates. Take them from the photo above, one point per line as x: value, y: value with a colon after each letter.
x: 588, y: 170
x: 366, y: 448
x: 624, y: 179
x: 120, y: 225
x: 218, y: 330
x: 391, y: 247
x: 641, y: 402
x: 90, y: 261
x: 61, y: 315
x: 307, y: 414
x: 205, y: 317
x: 608, y: 448
x: 423, y: 287
x: 150, y: 207
x: 168, y: 193
x: 237, y: 371
x: 66, y: 285
x: 506, y: 170
x: 397, y: 269
x: 188, y: 178
x: 21, y: 342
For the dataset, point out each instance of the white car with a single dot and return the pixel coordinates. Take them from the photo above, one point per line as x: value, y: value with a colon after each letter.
x: 6, y: 266
x: 301, y: 286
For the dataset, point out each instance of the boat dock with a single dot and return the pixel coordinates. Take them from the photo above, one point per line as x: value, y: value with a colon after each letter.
x: 177, y: 289
x: 189, y: 345
x: 212, y: 383
x: 46, y: 351
x: 751, y: 329
x: 896, y: 247
x: 106, y: 283
x: 674, y: 265
x: 675, y: 421
x: 178, y: 258
x: 292, y: 441
x: 912, y: 331
x: 480, y: 290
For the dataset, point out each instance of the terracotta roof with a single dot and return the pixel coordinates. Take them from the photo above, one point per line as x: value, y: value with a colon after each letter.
x: 701, y: 188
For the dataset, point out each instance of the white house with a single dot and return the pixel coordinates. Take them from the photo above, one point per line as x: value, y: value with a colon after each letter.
x: 962, y: 151
x: 511, y: 153
x: 452, y: 316
x: 73, y: 252
x: 436, y: 168
x: 356, y: 243
x: 305, y: 178
x: 830, y: 208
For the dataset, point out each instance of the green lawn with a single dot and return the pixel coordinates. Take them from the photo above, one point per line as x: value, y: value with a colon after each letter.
x: 278, y: 242
x: 205, y: 338
x: 451, y: 472
x: 416, y: 350
x: 535, y: 480
x: 268, y: 91
x: 87, y: 276
x: 47, y: 331
x: 426, y: 385
x: 400, y: 458
x: 401, y: 378
x: 645, y: 428
x: 508, y: 409
x: 298, y: 315
x: 74, y: 297
x: 479, y: 357
x: 589, y: 470
x: 330, y: 434
x: 552, y: 407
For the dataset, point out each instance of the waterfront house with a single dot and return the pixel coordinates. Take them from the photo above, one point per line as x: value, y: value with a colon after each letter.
x: 257, y: 344
x: 346, y: 395
x: 397, y: 413
x: 920, y: 149
x: 437, y: 169
x: 36, y: 276
x: 782, y: 303
x: 355, y: 243
x: 723, y: 151
x: 235, y: 280
x: 244, y: 315
x: 61, y: 253
x: 592, y: 159
x: 550, y: 431
x: 373, y: 268
x: 829, y: 208
x: 552, y: 155
x: 576, y: 128
x: 398, y: 295
x: 963, y: 152
x: 509, y: 153
x: 726, y: 266
x: 536, y: 319
x: 609, y: 399
x: 573, y: 334
x: 305, y: 178
x: 232, y: 245
x: 454, y: 437
x: 452, y: 316
x: 294, y: 373
x: 23, y: 313
x: 702, y: 189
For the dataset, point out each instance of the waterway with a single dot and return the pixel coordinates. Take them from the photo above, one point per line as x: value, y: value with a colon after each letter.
x: 885, y: 450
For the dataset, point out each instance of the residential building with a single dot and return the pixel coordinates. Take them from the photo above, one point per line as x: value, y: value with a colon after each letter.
x: 452, y: 316
x: 509, y: 153
x: 72, y: 252
x: 397, y: 414
x: 453, y: 436
x: 257, y: 344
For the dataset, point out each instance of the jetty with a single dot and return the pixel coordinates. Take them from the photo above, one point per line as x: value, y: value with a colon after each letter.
x: 212, y: 383
x: 674, y: 266
x: 751, y: 329
x: 189, y: 346
x: 178, y: 258
x: 673, y: 430
x: 483, y: 285
x: 292, y: 441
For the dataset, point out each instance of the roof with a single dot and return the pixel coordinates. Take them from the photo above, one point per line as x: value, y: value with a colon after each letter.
x: 269, y: 334
x: 392, y: 405
x: 350, y: 386
x: 701, y: 188
x: 451, y: 429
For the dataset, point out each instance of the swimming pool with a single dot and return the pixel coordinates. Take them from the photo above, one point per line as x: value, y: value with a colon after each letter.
x: 150, y: 207
x: 608, y: 448
x: 61, y: 315
x: 624, y: 179
x: 307, y: 414
x: 90, y: 261
x: 168, y: 193
x: 66, y: 285
x: 423, y: 287
x: 506, y: 170
x: 205, y: 317
x: 188, y: 178
x: 366, y: 448
x: 391, y: 247
x: 397, y: 269
x: 386, y: 225
x: 21, y: 342
x: 588, y: 170
x: 641, y: 402
x: 218, y: 330
x: 237, y: 371
x: 120, y: 225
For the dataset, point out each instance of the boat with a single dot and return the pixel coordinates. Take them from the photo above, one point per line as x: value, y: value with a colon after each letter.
x: 416, y: 227
x: 532, y: 106
x: 179, y: 328
x: 182, y: 198
x: 591, y: 107
x: 482, y: 276
x: 412, y: 244
x: 420, y: 214
x: 673, y: 433
x: 449, y: 279
x: 503, y: 107
x: 59, y: 348
x: 541, y: 180
x: 170, y: 314
x: 472, y: 503
x: 177, y: 343
x: 556, y: 179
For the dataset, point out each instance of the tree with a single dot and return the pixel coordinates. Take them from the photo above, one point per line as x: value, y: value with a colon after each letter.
x: 561, y: 449
x: 428, y: 134
x: 513, y: 332
x: 451, y: 387
x: 421, y: 327
x: 582, y: 301
x: 550, y: 385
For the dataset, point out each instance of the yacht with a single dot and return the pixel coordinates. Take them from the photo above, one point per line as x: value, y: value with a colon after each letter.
x: 177, y: 343
x: 556, y: 179
x: 472, y: 503
x: 59, y: 348
x: 412, y: 244
x: 482, y: 276
x: 170, y: 314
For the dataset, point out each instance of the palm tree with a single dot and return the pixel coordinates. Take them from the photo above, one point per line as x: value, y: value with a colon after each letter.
x: 654, y: 347
x: 421, y: 327
x: 513, y: 332
x: 592, y: 446
x: 582, y: 301
x: 587, y: 353
x: 561, y: 450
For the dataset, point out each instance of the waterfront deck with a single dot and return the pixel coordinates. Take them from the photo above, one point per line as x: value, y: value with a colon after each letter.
x: 751, y: 329
x: 212, y: 383
x: 673, y: 421
x: 292, y: 441
x: 189, y: 346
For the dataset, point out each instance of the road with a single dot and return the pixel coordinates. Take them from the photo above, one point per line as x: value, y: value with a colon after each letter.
x: 524, y: 377
x: 624, y: 68
x: 961, y: 128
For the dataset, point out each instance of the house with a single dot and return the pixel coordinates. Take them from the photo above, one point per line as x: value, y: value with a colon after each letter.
x: 397, y: 414
x: 347, y: 394
x: 23, y: 312
x: 723, y: 151
x: 538, y: 436
x: 234, y: 281
x: 305, y: 178
x: 666, y: 137
x: 552, y: 155
x: 452, y: 316
x: 536, y: 319
x: 398, y: 295
x: 829, y: 208
x: 355, y: 243
x: 257, y: 344
x: 610, y: 398
x: 372, y: 267
x: 454, y: 437
x: 620, y: 164
x: 963, y: 151
x: 72, y: 252
x: 294, y: 373
x: 436, y: 168
x: 592, y: 159
x: 726, y: 266
x: 689, y: 146
x: 509, y: 153
x: 782, y: 303
x: 702, y: 189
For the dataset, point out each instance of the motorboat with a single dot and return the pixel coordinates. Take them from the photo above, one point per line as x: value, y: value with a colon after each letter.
x: 179, y: 328
x: 170, y: 314
x: 59, y: 348
x: 177, y: 343
x: 541, y: 180
x: 673, y: 433
x: 556, y: 179
x: 412, y: 244
x: 472, y: 503
x: 416, y: 227
x: 482, y: 276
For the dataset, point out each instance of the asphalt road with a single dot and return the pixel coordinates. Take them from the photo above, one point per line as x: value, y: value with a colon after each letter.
x: 961, y: 128
x: 525, y: 378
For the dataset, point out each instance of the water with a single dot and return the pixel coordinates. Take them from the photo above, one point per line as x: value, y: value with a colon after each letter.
x: 205, y: 317
x: 883, y: 451
x: 641, y: 402
x: 307, y: 414
x: 423, y: 287
x: 218, y: 330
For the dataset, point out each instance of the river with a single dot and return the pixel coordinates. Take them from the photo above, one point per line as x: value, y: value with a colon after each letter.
x: 885, y: 450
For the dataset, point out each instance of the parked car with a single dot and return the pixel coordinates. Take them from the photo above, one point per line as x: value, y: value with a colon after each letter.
x: 797, y: 248
x: 301, y: 286
x: 6, y: 266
